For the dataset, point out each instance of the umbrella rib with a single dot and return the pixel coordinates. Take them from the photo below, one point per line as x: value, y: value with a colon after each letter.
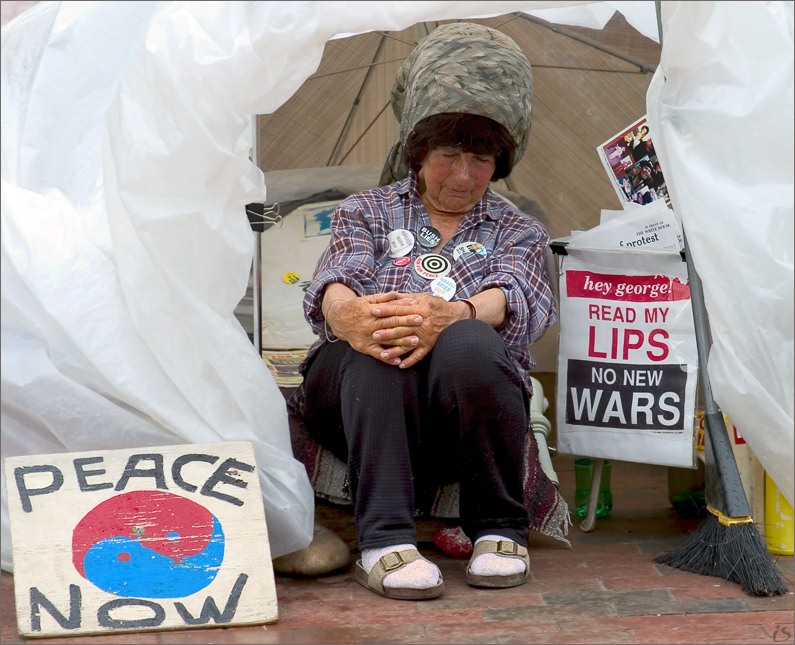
x: 642, y: 66
x: 364, y: 132
x: 335, y: 153
x: 353, y: 69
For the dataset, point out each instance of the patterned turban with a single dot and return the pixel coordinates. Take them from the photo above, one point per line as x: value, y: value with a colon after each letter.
x: 462, y: 67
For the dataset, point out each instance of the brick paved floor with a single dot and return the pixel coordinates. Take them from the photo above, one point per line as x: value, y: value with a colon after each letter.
x: 606, y: 589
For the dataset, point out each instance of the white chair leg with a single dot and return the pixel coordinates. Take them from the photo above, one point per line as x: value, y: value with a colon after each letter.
x: 541, y: 428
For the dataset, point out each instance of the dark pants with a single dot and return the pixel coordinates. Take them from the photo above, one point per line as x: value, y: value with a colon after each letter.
x: 460, y: 414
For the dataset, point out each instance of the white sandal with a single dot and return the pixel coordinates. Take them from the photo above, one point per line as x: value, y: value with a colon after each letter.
x: 502, y: 548
x: 391, y: 562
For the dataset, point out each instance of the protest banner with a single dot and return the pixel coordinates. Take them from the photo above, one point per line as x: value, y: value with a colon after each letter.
x: 171, y: 537
x: 627, y: 363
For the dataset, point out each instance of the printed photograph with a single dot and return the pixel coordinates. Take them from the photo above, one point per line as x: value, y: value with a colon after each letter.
x: 632, y: 166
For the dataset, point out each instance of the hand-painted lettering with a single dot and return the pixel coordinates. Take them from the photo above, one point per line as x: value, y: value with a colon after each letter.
x: 111, y: 613
x: 83, y: 474
x: 25, y: 493
x: 227, y: 473
x: 45, y: 479
x: 132, y: 470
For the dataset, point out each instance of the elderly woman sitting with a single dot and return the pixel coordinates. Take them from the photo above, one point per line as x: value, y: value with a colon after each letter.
x: 425, y: 302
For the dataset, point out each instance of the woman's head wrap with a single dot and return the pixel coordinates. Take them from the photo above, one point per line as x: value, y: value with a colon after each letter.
x: 462, y: 67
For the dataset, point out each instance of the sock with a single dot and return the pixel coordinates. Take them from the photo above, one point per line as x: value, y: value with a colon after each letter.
x: 491, y: 564
x: 419, y: 574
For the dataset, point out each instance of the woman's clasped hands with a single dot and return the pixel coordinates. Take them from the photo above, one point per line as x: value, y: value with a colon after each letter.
x: 397, y: 328
x: 409, y: 325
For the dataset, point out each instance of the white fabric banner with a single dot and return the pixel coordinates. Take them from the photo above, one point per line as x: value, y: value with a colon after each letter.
x: 627, y: 366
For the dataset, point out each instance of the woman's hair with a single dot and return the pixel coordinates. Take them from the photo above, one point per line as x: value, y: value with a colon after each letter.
x: 469, y: 132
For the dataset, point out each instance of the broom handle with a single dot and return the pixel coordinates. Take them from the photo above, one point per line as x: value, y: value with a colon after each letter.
x: 727, y: 484
x: 701, y: 323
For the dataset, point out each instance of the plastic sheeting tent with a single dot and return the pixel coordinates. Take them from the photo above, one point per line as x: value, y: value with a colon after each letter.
x: 126, y: 136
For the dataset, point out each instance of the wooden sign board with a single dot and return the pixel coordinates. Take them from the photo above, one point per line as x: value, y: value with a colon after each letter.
x: 130, y: 540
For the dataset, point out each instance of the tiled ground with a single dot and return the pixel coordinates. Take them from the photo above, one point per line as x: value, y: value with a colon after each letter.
x: 606, y: 589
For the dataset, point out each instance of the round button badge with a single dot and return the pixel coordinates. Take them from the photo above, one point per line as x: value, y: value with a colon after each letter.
x: 432, y: 266
x: 469, y: 247
x: 443, y: 287
x: 429, y: 237
x: 291, y: 277
x: 401, y: 241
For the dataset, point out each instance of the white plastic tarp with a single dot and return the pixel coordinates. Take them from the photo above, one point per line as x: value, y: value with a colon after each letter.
x: 721, y: 105
x: 126, y: 146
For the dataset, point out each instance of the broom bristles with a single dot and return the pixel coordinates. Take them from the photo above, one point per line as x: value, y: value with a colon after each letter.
x: 735, y: 553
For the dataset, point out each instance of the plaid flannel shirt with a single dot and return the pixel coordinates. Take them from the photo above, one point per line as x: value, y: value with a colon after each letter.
x: 515, y: 261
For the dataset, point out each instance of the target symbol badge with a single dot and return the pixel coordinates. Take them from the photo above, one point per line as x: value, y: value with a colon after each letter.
x: 432, y: 266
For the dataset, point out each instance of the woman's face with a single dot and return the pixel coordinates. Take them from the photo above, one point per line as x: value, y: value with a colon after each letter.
x: 453, y: 181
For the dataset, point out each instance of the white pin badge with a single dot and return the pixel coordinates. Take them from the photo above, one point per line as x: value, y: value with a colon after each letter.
x: 443, y: 287
x: 401, y: 241
x: 432, y: 266
x: 469, y: 247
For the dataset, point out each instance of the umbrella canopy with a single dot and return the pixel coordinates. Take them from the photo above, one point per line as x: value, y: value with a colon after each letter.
x: 588, y: 84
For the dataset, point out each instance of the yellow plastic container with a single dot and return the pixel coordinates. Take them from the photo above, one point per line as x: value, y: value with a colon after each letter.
x: 779, y: 523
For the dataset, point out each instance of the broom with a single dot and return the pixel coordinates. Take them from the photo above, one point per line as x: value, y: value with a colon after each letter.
x: 727, y: 545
